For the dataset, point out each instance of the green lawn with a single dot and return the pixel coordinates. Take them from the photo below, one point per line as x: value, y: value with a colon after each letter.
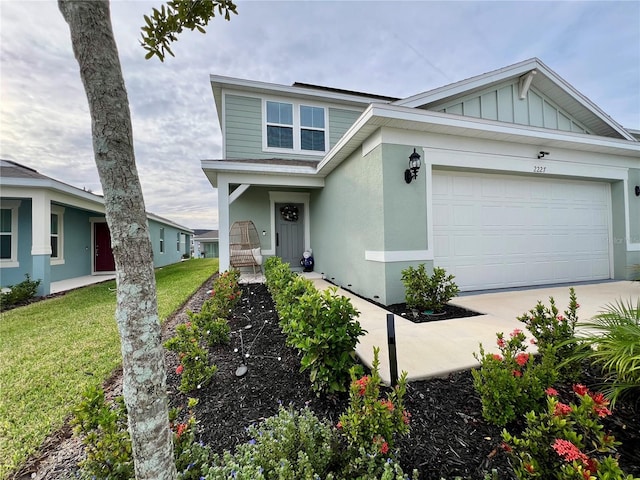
x: 52, y: 350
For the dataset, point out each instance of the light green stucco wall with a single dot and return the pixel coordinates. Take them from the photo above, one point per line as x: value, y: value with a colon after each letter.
x: 347, y: 219
x: 243, y: 128
x: 366, y: 205
x: 254, y: 205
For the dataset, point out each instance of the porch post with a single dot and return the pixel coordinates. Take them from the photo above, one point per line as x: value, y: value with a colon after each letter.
x: 223, y: 223
x: 41, y: 241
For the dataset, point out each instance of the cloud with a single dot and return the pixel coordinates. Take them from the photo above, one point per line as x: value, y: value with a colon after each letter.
x: 389, y: 48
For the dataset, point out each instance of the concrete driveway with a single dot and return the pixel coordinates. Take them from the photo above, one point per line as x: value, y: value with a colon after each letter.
x: 438, y: 348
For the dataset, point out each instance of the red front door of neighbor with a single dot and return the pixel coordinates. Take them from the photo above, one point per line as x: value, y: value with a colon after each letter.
x: 102, y: 253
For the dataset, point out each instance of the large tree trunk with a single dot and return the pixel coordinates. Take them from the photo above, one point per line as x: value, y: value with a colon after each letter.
x: 137, y: 311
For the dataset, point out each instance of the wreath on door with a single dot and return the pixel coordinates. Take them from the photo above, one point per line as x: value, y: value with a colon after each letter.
x: 289, y: 213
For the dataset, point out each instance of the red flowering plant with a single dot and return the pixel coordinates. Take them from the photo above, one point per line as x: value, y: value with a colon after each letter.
x: 512, y: 382
x: 193, y: 366
x: 566, y: 441
x: 371, y: 423
x: 225, y: 294
x: 553, y: 331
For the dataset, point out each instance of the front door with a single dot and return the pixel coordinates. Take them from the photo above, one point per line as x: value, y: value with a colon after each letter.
x: 102, y: 253
x: 290, y: 233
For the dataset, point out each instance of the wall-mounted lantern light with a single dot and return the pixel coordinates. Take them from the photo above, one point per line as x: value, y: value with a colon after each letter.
x: 637, y: 190
x: 411, y: 173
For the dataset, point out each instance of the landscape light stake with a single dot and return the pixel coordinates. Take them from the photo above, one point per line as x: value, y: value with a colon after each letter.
x: 391, y: 344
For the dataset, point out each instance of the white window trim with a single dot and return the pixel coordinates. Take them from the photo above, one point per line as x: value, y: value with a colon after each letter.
x: 13, y: 206
x: 297, y: 128
x: 59, y: 211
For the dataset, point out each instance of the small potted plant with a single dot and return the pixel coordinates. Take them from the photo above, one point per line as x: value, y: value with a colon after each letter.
x: 428, y: 293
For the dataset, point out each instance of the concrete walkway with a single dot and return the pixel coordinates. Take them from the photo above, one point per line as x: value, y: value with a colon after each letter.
x: 438, y: 348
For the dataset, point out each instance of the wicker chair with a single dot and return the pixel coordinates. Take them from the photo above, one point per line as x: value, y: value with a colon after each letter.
x: 244, y: 246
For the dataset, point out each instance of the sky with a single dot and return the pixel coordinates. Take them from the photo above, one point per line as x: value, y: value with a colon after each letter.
x: 389, y: 48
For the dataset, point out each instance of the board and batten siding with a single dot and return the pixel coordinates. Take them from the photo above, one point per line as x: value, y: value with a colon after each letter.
x: 243, y: 128
x: 504, y: 105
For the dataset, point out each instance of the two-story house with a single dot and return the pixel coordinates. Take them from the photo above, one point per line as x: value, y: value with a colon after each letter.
x: 522, y: 181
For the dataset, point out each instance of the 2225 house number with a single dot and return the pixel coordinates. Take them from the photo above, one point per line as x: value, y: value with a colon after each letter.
x: 537, y: 169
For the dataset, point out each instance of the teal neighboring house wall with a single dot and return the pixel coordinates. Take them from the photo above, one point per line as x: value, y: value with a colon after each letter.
x: 523, y: 181
x: 52, y: 231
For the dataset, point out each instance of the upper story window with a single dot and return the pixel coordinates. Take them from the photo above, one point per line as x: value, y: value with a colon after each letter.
x: 9, y: 233
x: 57, y: 235
x: 293, y: 127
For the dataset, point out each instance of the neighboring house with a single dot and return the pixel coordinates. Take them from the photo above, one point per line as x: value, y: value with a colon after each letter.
x: 205, y: 243
x: 523, y: 181
x: 53, y: 231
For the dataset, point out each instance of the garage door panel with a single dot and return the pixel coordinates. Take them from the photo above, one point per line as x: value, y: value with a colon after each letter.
x: 495, y: 231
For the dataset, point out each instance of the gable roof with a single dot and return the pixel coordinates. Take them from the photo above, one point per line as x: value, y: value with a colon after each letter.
x: 543, y: 79
x: 14, y: 174
x: 209, y: 235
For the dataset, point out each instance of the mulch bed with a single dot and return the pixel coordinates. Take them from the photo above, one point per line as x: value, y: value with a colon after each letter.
x: 418, y: 316
x: 448, y: 435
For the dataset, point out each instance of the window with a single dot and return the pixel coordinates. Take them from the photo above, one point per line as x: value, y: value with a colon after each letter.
x: 9, y: 233
x: 161, y: 239
x: 312, y: 128
x: 57, y: 230
x: 178, y: 241
x: 295, y: 127
x: 279, y: 125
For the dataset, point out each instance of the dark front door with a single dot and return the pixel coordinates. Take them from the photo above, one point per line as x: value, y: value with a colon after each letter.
x: 290, y: 233
x: 103, y: 255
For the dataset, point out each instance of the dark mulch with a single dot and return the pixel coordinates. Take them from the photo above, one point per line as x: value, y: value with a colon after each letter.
x: 421, y: 316
x: 448, y: 435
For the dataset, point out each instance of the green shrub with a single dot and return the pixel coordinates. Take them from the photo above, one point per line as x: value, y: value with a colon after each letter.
x: 567, y: 441
x: 323, y: 328
x: 294, y: 446
x: 512, y: 382
x: 551, y: 331
x: 430, y: 293
x: 19, y: 294
x: 371, y: 424
x: 277, y: 275
x: 320, y: 325
x: 103, y: 428
x: 194, y: 368
x: 611, y: 341
x: 291, y: 445
x: 225, y: 294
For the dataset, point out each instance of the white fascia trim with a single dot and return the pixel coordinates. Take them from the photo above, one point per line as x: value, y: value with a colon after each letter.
x: 623, y: 147
x: 393, y: 256
x: 52, y: 185
x: 222, y: 82
x: 270, y: 179
x: 472, y: 83
x: 362, y: 120
x: 235, y: 167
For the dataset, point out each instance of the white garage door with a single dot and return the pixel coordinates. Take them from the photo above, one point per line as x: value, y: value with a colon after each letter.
x: 496, y: 231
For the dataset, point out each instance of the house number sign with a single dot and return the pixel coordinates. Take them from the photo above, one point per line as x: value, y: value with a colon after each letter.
x: 539, y: 169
